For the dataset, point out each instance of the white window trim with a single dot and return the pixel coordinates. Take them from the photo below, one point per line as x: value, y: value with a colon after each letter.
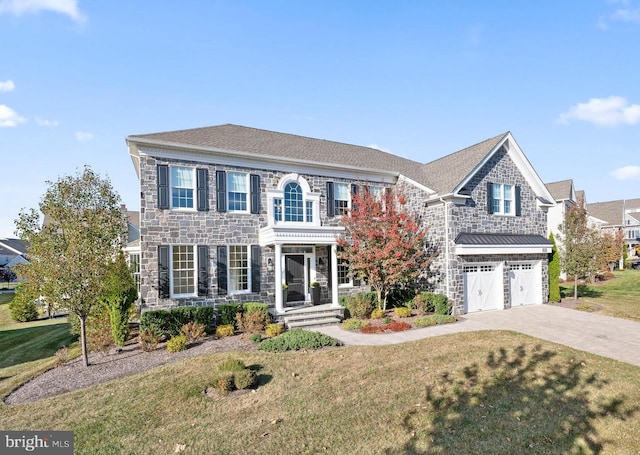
x: 193, y: 188
x: 195, y: 272
x: 349, y: 200
x: 242, y: 291
x: 502, y: 199
x: 248, y: 193
x: 307, y: 196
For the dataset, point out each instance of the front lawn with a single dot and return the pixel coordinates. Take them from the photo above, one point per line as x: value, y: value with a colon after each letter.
x: 469, y: 393
x: 618, y: 297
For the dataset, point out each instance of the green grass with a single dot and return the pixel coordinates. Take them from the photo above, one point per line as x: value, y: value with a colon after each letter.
x: 618, y: 297
x: 469, y: 393
x: 28, y: 348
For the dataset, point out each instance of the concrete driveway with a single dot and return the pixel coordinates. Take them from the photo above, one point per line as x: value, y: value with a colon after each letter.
x: 615, y: 338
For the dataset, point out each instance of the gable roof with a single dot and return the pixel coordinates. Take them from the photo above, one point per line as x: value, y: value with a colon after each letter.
x: 15, y: 246
x: 443, y: 176
x: 611, y: 212
x: 632, y: 204
x: 562, y: 190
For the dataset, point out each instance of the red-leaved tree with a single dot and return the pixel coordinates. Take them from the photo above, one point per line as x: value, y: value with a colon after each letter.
x: 383, y: 244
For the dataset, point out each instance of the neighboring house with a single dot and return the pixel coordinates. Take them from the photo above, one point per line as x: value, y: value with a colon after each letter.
x: 132, y: 246
x: 565, y: 196
x: 613, y: 216
x: 230, y: 214
x: 13, y: 252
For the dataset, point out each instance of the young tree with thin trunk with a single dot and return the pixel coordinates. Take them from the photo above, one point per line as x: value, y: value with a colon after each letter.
x: 118, y: 296
x: 383, y: 243
x: 579, y: 244
x: 83, y: 231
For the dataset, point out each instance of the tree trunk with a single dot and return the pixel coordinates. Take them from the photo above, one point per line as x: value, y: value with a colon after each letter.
x: 83, y: 339
x: 380, y: 303
x: 575, y: 287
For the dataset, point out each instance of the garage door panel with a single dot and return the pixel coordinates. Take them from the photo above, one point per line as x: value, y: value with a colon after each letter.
x: 524, y: 284
x: 483, y: 287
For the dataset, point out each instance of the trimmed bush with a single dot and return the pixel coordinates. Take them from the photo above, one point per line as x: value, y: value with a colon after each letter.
x: 193, y: 331
x: 377, y: 314
x: 423, y: 302
x: 353, y: 324
x: 244, y: 379
x: 398, y: 326
x: 233, y: 374
x: 434, y: 319
x: 256, y: 337
x: 251, y: 322
x: 253, y: 307
x: 177, y: 343
x: 223, y: 381
x: 226, y: 330
x: 232, y: 365
x: 399, y: 297
x: 373, y: 329
x: 204, y: 315
x: 23, y: 308
x: 402, y: 312
x: 441, y: 304
x: 227, y: 312
x: 273, y: 330
x: 156, y: 321
x: 297, y: 339
x: 360, y: 305
x: 168, y: 323
x: 149, y: 340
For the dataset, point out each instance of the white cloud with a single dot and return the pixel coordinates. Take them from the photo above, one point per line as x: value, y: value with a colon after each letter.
x: 83, y: 136
x: 7, y: 86
x: 45, y: 122
x: 611, y: 111
x: 9, y: 117
x: 626, y: 15
x: 626, y: 173
x: 20, y: 7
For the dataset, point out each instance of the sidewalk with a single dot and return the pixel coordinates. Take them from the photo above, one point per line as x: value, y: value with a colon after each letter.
x: 615, y: 338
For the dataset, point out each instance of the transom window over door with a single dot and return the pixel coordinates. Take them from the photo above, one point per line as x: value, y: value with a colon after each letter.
x: 293, y: 203
x: 238, y: 188
x: 182, y: 184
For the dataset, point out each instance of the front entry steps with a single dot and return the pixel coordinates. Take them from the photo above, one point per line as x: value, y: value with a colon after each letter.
x: 311, y: 316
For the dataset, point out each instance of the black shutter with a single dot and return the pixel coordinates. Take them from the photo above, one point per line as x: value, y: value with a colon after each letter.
x: 255, y: 193
x: 329, y: 269
x: 221, y: 191
x: 163, y: 186
x: 387, y: 199
x: 203, y: 270
x: 354, y: 193
x: 222, y: 270
x: 163, y: 272
x: 256, y: 260
x: 202, y: 189
x: 490, y: 198
x: 330, y: 202
x: 518, y: 201
x: 356, y: 281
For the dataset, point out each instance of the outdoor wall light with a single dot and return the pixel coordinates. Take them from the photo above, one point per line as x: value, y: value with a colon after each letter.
x: 270, y: 265
x: 320, y: 262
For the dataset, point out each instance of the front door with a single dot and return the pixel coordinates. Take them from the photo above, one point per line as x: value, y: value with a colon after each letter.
x: 294, y: 277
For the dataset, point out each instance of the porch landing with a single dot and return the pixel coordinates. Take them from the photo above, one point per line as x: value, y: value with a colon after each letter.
x: 309, y: 316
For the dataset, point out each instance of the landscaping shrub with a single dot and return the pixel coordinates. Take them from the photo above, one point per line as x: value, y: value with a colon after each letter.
x: 62, y: 355
x: 373, y: 329
x: 244, y: 379
x: 399, y: 297
x: 273, y: 330
x: 377, y: 314
x: 441, y: 304
x: 423, y: 302
x: 177, y: 343
x: 252, y: 307
x: 387, y: 320
x: 296, y: 339
x: 223, y: 381
x: 354, y: 324
x: 251, y: 322
x: 168, y: 323
x: 193, y: 331
x: 156, y: 321
x: 204, y: 315
x: 402, y: 312
x: 232, y: 365
x: 256, y: 337
x: 23, y: 308
x: 233, y: 374
x: 444, y: 318
x: 433, y: 320
x: 360, y: 305
x: 227, y: 312
x: 149, y: 340
x: 226, y: 330
x: 398, y: 326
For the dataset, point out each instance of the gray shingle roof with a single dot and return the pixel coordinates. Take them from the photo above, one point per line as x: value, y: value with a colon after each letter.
x: 469, y: 238
x: 445, y: 173
x: 560, y: 190
x: 442, y: 175
x: 15, y: 244
x: 611, y: 212
x: 632, y: 204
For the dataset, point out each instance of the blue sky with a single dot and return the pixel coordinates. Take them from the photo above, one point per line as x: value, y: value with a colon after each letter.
x: 420, y: 79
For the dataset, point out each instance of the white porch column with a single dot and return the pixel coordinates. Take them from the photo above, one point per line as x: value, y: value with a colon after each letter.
x: 334, y: 275
x: 278, y: 279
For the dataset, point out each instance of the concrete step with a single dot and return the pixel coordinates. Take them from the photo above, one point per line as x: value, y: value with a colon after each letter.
x: 312, y: 322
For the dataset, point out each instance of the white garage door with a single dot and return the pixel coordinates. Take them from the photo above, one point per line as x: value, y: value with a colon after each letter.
x: 525, y: 285
x: 483, y: 288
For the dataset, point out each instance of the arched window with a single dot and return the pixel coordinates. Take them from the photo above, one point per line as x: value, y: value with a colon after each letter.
x: 293, y: 203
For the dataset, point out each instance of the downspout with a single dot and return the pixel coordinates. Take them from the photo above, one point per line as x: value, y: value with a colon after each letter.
x: 446, y: 246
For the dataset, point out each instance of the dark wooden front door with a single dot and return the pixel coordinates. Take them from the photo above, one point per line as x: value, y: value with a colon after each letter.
x: 295, y: 277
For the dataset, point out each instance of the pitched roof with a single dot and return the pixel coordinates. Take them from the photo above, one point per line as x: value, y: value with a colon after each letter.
x: 470, y: 238
x: 560, y: 190
x: 632, y: 204
x: 610, y: 212
x: 445, y: 173
x: 15, y: 246
x: 283, y: 145
x: 133, y: 217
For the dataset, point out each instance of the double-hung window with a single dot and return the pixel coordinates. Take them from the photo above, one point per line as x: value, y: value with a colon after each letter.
x: 238, y: 191
x: 183, y: 275
x: 293, y: 203
x: 341, y: 198
x: 502, y: 199
x: 182, y: 187
x: 239, y: 279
